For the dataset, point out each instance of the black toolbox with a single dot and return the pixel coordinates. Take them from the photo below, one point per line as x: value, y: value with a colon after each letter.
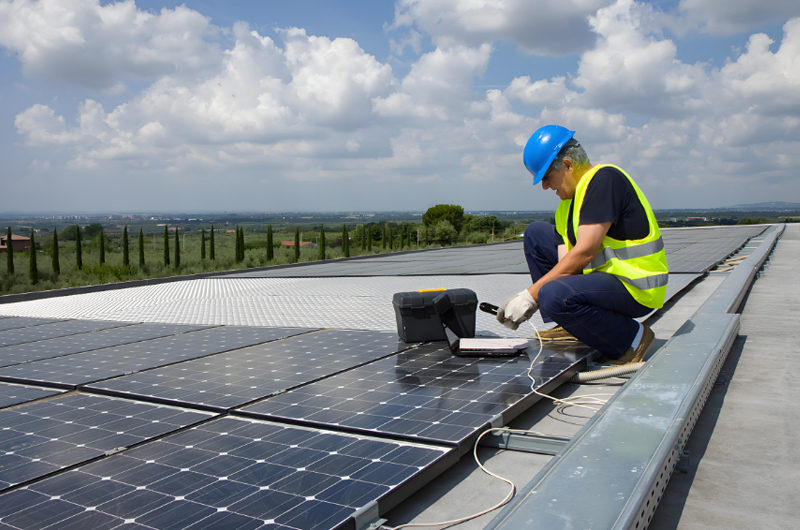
x: 417, y: 321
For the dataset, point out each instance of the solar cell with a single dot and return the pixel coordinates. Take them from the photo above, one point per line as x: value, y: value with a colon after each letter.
x: 56, y: 329
x: 424, y: 394
x: 231, y: 379
x: 40, y: 438
x: 11, y: 394
x: 46, y: 349
x: 229, y: 473
x: 23, y: 322
x: 72, y: 370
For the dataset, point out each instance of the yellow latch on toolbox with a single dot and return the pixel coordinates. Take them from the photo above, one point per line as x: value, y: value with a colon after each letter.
x: 430, y: 290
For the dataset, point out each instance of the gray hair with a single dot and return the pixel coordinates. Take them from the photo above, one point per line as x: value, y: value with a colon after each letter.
x: 574, y: 152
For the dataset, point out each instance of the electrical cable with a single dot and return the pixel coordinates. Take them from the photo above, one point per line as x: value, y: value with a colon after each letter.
x: 593, y: 404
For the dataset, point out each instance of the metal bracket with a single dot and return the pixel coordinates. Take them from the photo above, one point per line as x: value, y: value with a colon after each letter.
x: 528, y: 443
x: 682, y: 465
x: 366, y: 518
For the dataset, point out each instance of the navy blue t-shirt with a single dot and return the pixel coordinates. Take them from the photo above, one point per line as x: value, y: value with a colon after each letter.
x: 610, y: 198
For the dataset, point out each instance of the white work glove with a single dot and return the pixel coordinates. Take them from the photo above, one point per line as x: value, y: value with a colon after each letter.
x: 517, y: 310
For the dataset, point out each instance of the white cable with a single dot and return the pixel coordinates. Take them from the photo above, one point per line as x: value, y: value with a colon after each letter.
x: 484, y: 512
x: 593, y: 401
x: 593, y: 404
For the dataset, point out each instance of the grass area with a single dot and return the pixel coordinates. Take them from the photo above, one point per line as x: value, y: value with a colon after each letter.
x: 113, y: 270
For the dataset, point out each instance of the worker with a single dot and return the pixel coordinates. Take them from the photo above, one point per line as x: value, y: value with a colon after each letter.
x: 603, y: 263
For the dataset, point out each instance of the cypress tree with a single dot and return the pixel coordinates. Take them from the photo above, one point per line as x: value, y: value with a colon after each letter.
x: 391, y: 242
x: 369, y: 238
x: 54, y: 256
x: 78, y: 248
x: 9, y: 254
x: 141, y: 248
x: 270, y: 248
x: 177, y: 250
x: 166, y: 247
x: 125, y: 256
x: 241, y: 244
x: 102, y: 246
x: 236, y: 247
x: 383, y: 237
x: 345, y: 242
x: 211, y: 245
x: 321, y: 242
x: 296, y: 245
x: 203, y: 243
x: 34, y: 272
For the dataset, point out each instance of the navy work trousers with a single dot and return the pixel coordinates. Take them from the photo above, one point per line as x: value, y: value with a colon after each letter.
x: 595, y: 308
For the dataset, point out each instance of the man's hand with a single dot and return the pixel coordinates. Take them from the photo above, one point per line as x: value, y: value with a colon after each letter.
x: 517, y: 310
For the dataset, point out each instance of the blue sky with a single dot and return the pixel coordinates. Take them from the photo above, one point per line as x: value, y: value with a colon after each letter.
x: 322, y: 105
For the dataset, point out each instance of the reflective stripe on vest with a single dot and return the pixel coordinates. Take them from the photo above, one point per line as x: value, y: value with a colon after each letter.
x: 635, y: 251
x: 648, y: 282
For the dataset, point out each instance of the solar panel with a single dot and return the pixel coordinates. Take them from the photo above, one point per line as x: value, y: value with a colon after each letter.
x: 40, y: 438
x: 699, y: 257
x: 23, y: 322
x: 56, y: 329
x: 46, y: 349
x: 230, y: 473
x: 231, y: 379
x: 73, y: 370
x: 425, y: 394
x: 11, y: 394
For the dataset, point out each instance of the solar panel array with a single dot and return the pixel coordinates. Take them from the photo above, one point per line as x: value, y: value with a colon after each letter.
x: 230, y: 379
x: 40, y: 438
x: 11, y: 394
x: 424, y: 394
x: 57, y: 329
x: 72, y: 370
x: 230, y: 473
x: 47, y: 349
x: 359, y: 425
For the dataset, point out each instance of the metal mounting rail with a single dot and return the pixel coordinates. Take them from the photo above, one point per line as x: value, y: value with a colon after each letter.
x: 612, y: 474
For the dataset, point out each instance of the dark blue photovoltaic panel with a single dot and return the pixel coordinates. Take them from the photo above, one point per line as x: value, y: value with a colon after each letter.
x: 72, y: 370
x: 42, y: 437
x: 11, y: 394
x: 23, y: 322
x: 47, y: 349
x: 228, y: 473
x: 425, y: 394
x: 231, y: 379
x: 56, y: 329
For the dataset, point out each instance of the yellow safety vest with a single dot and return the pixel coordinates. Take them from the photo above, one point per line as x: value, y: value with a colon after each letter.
x: 641, y: 264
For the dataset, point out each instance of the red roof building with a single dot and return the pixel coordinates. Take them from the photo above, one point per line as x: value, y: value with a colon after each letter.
x: 19, y: 243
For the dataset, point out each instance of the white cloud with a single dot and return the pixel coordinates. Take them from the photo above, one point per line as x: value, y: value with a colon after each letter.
x: 547, y: 28
x: 86, y: 43
x: 728, y: 17
x: 438, y: 87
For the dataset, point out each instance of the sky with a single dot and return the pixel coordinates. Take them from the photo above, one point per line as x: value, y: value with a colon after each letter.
x: 327, y: 105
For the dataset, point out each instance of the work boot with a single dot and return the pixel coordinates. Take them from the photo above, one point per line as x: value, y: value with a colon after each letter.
x: 636, y: 356
x: 557, y: 333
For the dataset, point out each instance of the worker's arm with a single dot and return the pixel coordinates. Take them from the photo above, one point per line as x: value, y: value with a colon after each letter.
x: 587, y: 244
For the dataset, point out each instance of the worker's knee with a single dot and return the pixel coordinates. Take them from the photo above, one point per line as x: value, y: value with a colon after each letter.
x: 552, y: 298
x: 538, y: 233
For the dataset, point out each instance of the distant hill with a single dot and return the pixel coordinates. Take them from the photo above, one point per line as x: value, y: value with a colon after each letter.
x: 775, y: 205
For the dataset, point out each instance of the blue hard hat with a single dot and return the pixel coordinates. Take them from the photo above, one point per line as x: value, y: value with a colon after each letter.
x: 543, y: 147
